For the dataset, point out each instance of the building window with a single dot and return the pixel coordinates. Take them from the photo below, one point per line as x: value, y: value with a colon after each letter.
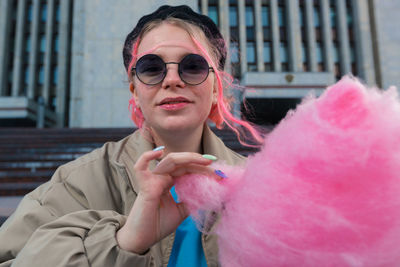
x: 266, y: 27
x: 350, y: 28
x: 284, y: 49
x: 213, y: 11
x: 318, y: 37
x: 33, y: 48
x: 304, y: 34
x: 250, y: 34
x: 315, y: 22
x: 234, y: 35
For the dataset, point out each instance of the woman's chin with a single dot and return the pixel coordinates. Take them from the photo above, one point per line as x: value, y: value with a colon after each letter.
x: 176, y: 127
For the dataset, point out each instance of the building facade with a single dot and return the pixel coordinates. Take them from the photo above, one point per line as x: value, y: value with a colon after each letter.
x: 61, y: 62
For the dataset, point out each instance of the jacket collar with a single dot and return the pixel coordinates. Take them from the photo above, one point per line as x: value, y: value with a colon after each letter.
x: 136, y: 144
x: 213, y: 145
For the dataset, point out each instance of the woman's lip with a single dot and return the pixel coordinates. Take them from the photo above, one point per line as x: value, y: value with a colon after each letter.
x: 174, y: 106
x: 173, y: 100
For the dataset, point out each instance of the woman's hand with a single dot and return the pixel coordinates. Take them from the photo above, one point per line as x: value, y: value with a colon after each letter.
x: 155, y: 214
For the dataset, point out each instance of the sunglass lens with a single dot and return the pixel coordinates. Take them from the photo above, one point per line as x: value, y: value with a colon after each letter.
x: 150, y: 69
x: 193, y: 69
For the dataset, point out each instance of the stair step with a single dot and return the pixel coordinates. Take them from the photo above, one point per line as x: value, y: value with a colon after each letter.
x: 30, y: 156
x: 25, y: 176
x: 23, y: 157
x: 65, y: 148
x: 17, y: 189
x: 70, y: 131
x: 30, y: 165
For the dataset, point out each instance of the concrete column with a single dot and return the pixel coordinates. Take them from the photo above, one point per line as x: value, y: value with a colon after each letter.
x: 63, y: 61
x: 223, y: 7
x: 19, y: 48
x: 242, y: 36
x: 275, y: 36
x: 259, y: 36
x: 345, y: 65
x: 294, y: 38
x: 5, y: 17
x: 49, y: 51
x: 204, y: 7
x: 310, y: 32
x: 385, y: 25
x: 362, y: 36
x: 77, y: 64
x: 326, y: 36
x: 33, y: 55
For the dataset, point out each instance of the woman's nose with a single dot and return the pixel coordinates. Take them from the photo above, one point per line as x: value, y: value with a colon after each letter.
x: 172, y: 78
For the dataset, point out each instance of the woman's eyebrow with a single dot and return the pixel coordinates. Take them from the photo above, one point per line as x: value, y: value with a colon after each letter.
x: 190, y: 48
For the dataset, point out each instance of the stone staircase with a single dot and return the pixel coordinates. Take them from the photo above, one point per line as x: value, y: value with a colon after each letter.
x: 29, y: 156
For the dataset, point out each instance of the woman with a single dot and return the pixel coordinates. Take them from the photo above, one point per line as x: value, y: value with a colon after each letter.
x: 113, y: 207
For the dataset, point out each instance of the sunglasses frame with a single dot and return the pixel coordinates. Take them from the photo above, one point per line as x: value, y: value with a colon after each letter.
x: 179, y: 70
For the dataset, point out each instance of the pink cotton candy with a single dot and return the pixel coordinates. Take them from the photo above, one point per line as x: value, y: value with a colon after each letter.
x: 323, y: 191
x: 201, y: 193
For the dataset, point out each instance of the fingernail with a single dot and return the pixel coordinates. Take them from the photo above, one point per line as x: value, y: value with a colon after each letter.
x: 159, y: 148
x: 221, y: 174
x: 210, y: 157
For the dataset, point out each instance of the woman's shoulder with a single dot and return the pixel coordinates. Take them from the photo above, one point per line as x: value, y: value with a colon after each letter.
x: 103, y: 157
x: 94, y: 178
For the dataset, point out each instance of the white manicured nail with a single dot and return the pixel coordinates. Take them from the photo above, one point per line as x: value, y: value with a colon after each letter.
x: 159, y: 148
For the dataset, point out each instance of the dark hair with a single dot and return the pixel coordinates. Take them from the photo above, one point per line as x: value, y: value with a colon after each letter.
x: 184, y: 13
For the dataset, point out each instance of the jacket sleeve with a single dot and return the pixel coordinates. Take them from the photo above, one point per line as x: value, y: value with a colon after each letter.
x: 57, y: 225
x: 83, y: 238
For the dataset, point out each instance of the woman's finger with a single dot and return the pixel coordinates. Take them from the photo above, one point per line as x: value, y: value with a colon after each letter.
x: 194, y: 169
x: 175, y: 160
x: 143, y: 162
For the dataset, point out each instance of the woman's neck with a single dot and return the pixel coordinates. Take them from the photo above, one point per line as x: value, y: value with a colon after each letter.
x: 188, y: 141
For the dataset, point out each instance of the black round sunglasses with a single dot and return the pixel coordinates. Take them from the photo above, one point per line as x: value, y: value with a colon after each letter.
x: 151, y: 69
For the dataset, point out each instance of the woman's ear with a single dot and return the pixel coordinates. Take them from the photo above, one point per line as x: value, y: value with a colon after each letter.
x: 215, y: 93
x: 134, y: 93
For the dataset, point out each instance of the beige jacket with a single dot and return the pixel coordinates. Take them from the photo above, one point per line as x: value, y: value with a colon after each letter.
x: 72, y: 219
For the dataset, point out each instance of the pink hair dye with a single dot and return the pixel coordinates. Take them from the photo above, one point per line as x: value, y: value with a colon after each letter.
x: 219, y: 112
x: 223, y: 114
x: 136, y: 113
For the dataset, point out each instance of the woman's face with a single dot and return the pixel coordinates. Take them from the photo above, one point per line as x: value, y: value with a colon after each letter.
x: 173, y: 105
